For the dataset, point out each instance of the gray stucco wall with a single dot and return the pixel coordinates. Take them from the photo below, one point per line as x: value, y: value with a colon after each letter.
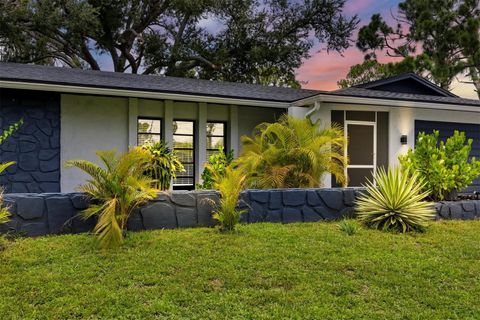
x: 35, y: 147
x: 55, y: 213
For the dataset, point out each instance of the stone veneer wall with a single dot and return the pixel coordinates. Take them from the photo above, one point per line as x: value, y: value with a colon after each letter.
x: 35, y: 147
x: 54, y: 213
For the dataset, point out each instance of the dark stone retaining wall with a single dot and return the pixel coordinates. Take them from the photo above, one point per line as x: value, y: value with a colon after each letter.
x: 35, y: 147
x: 54, y: 213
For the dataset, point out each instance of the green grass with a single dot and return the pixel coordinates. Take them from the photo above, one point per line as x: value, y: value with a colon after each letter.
x: 264, y: 271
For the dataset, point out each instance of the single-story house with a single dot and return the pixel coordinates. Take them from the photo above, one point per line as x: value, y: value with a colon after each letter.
x: 70, y: 113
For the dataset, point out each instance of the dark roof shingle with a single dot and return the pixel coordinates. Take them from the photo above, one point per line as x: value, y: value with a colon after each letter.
x: 151, y: 83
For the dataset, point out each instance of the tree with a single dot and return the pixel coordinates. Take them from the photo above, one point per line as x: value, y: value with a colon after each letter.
x: 371, y: 70
x: 446, y: 31
x: 256, y: 41
x: 292, y: 153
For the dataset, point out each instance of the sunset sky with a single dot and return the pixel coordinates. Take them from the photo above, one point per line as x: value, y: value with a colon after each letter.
x: 323, y: 70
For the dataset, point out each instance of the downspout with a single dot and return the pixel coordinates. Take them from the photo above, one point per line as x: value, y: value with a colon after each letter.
x: 316, y: 107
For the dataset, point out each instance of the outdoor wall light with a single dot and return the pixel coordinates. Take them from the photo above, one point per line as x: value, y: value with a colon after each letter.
x: 403, y: 139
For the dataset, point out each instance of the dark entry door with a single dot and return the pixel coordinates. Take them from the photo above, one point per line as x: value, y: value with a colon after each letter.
x: 361, y: 151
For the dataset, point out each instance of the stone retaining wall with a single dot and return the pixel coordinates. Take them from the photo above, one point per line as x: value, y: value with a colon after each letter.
x: 55, y: 213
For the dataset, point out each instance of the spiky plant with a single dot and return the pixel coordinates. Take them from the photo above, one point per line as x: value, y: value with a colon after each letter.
x: 116, y: 190
x: 230, y: 185
x: 164, y: 165
x: 292, y: 153
x: 395, y: 202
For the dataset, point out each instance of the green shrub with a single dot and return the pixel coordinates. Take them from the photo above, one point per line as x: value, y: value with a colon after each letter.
x: 163, y: 166
x: 230, y: 185
x: 349, y: 227
x: 444, y: 166
x: 394, y: 202
x: 292, y: 153
x: 4, y: 212
x: 216, y: 166
x: 116, y: 191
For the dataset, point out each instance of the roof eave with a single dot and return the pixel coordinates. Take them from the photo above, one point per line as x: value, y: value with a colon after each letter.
x: 73, y: 89
x: 332, y: 98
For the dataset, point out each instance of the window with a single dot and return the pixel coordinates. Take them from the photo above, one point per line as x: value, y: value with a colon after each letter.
x: 148, y: 131
x: 184, y: 146
x: 215, y: 137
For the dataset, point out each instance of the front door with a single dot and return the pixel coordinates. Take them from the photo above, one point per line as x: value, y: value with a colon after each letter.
x: 361, y: 151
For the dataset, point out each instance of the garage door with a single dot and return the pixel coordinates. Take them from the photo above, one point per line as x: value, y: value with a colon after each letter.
x: 446, y: 129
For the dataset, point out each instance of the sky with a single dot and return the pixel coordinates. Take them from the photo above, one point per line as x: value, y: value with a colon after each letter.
x: 323, y: 70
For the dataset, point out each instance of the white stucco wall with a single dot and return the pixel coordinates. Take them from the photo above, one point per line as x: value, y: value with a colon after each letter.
x: 88, y: 124
x: 401, y: 122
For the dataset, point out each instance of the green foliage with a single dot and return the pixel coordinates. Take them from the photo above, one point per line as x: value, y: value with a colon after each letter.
x: 444, y: 166
x: 395, y: 202
x: 230, y: 185
x: 258, y: 42
x: 371, y: 70
x: 117, y: 189
x: 4, y: 213
x: 349, y: 227
x: 164, y: 165
x: 216, y: 167
x: 292, y: 153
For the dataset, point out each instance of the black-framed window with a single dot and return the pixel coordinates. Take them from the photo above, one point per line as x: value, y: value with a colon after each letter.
x: 216, y: 137
x: 149, y: 130
x: 184, y: 146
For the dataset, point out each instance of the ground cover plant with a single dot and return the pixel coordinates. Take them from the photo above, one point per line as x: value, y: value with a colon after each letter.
x: 446, y: 167
x: 263, y: 271
x: 395, y: 201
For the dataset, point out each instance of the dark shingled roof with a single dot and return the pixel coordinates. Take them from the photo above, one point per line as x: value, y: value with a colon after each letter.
x: 151, y: 83
x: 376, y: 94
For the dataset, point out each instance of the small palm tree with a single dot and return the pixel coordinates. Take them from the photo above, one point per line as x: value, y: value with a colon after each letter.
x: 230, y: 184
x: 395, y: 203
x: 292, y: 153
x: 116, y: 191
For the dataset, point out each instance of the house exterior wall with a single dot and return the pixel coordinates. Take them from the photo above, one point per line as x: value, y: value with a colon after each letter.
x: 401, y: 122
x: 35, y: 147
x: 91, y: 123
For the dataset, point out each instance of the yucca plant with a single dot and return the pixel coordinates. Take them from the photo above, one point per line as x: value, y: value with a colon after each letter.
x: 164, y: 165
x: 395, y: 202
x: 230, y: 185
x: 116, y: 190
x: 292, y: 153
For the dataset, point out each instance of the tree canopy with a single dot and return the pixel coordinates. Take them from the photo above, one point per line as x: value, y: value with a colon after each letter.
x: 255, y: 41
x: 440, y: 38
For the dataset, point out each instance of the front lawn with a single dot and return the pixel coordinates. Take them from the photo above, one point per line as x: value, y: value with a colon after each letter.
x: 265, y: 271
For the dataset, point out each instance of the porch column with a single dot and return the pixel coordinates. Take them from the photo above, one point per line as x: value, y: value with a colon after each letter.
x: 132, y: 122
x: 168, y: 123
x: 201, y: 141
x: 232, y: 127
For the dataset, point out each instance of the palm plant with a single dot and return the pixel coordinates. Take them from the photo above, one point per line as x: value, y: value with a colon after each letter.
x: 163, y: 166
x: 116, y: 191
x: 292, y: 153
x: 4, y: 212
x: 395, y: 202
x: 230, y: 185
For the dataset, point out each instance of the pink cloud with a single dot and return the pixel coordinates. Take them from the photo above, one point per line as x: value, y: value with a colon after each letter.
x: 355, y: 6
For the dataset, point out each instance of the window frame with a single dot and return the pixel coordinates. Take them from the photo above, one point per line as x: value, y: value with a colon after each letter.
x: 193, y: 149
x: 155, y: 134
x: 224, y: 136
